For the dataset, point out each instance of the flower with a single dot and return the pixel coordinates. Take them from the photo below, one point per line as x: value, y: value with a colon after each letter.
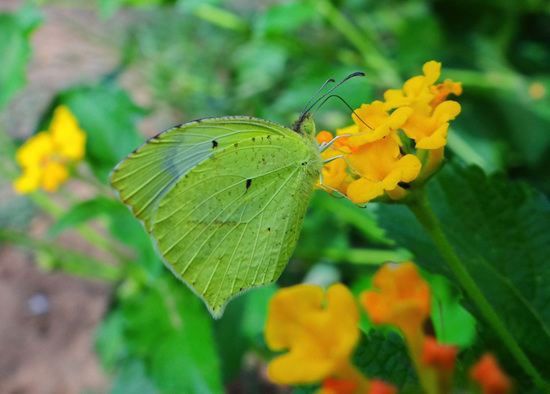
x: 319, y: 339
x: 381, y: 167
x: 44, y: 157
x: 415, y: 90
x: 401, y: 298
x: 438, y: 355
x: 380, y: 387
x: 391, y: 143
x: 338, y: 386
x: 490, y: 377
x: 442, y: 90
x: 442, y: 359
x: 374, y: 122
x: 428, y: 127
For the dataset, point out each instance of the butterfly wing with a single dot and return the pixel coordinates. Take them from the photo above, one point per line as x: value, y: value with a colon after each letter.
x: 224, y: 199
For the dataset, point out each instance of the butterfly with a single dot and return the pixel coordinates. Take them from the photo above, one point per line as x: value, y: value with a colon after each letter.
x: 224, y: 198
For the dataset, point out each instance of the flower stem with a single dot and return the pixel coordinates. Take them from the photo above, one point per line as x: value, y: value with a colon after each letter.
x: 420, y: 207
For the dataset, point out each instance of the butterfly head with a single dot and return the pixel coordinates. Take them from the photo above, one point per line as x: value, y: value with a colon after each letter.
x: 304, y: 125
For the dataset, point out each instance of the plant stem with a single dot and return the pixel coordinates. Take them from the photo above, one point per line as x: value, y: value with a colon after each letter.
x: 84, y: 231
x: 420, y: 207
x: 87, y: 266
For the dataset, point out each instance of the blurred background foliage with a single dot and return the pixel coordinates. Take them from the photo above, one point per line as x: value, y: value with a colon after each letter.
x: 266, y: 58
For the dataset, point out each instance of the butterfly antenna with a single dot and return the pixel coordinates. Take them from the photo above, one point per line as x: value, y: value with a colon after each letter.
x: 304, y: 111
x: 352, y: 75
x: 347, y: 105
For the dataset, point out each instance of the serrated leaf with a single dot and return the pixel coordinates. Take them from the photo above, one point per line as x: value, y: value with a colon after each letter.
x: 501, y: 232
x: 385, y: 357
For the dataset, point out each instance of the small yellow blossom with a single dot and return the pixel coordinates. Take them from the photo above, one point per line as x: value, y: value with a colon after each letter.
x: 319, y: 339
x: 378, y: 123
x: 381, y: 167
x: 429, y: 128
x: 44, y: 157
x: 416, y: 89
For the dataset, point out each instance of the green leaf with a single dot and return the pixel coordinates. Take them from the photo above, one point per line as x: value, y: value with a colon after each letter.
x: 132, y: 379
x: 122, y: 225
x: 167, y: 327
x: 385, y: 357
x: 108, y: 116
x: 501, y: 233
x: 15, y: 49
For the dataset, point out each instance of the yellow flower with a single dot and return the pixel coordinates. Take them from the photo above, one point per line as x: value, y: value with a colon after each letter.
x: 45, y: 156
x: 378, y: 123
x: 381, y: 167
x: 416, y: 89
x: 429, y: 129
x: 319, y: 338
x: 69, y: 139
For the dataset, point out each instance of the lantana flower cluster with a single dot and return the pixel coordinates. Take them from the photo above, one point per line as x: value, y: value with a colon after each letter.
x: 46, y: 156
x: 392, y: 142
x: 320, y: 330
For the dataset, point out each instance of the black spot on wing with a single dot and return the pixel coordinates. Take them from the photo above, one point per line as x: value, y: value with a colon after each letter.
x: 248, y: 183
x: 214, y: 144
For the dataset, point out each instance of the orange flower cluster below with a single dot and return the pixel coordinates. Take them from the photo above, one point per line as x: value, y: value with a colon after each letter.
x: 370, y: 157
x: 320, y: 331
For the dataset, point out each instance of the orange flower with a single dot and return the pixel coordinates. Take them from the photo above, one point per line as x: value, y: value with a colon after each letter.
x: 438, y: 355
x: 338, y: 386
x: 380, y: 387
x: 319, y: 339
x: 401, y: 297
x: 490, y: 377
x: 442, y: 359
x: 442, y: 90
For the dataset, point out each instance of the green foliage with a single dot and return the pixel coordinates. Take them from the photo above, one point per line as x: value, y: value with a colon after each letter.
x: 166, y: 326
x: 385, y: 357
x: 501, y: 232
x: 108, y: 115
x: 15, y: 30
